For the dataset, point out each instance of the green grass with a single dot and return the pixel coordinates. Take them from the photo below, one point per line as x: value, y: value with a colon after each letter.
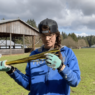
x: 86, y: 59
x: 7, y: 85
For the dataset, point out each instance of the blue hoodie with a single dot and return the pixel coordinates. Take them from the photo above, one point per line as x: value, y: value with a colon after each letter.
x: 43, y: 80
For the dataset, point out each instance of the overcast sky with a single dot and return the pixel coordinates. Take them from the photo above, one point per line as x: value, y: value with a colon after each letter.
x: 76, y: 16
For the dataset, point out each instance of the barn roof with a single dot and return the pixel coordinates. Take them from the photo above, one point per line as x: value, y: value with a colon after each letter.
x: 12, y: 20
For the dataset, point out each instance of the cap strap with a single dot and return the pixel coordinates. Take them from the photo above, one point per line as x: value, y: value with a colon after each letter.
x: 47, y: 31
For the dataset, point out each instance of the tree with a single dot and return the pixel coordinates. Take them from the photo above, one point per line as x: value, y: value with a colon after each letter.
x: 28, y: 39
x: 32, y: 23
x: 69, y: 42
x: 74, y: 37
x: 94, y: 40
x: 64, y: 35
x: 82, y: 43
x: 79, y: 37
x: 90, y: 40
x: 3, y: 19
x: 17, y: 40
x: 85, y: 38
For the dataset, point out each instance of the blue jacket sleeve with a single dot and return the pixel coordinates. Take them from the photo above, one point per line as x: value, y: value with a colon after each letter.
x: 71, y: 72
x: 22, y: 79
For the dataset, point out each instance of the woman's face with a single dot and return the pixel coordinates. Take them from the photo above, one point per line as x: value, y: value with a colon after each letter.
x: 48, y: 40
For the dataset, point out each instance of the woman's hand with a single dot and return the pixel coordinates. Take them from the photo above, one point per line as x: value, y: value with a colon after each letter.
x: 4, y: 67
x: 53, y: 61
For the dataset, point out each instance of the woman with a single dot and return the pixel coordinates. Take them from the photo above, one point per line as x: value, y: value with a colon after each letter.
x: 52, y: 76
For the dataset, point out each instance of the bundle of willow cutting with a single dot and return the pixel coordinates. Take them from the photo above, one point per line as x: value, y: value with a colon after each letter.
x: 33, y: 57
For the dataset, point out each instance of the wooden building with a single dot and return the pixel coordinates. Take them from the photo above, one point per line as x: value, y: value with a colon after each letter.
x: 16, y: 28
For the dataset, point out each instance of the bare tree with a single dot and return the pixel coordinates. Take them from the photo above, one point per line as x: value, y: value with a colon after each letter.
x: 69, y: 42
x: 82, y: 43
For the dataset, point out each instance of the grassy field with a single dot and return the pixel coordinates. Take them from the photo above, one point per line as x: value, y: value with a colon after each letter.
x: 86, y: 59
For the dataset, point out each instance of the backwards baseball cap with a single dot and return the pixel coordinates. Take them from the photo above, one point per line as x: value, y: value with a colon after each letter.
x: 53, y: 27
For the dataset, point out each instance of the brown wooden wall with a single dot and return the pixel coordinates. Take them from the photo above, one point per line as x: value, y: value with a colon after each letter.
x: 17, y: 27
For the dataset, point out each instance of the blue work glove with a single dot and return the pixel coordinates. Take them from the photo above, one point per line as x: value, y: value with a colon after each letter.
x: 4, y: 67
x: 53, y: 61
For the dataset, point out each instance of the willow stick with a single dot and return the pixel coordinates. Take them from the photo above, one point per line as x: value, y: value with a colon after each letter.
x: 33, y: 57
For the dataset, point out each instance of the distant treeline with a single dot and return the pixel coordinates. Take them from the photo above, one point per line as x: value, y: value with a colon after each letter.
x: 71, y: 40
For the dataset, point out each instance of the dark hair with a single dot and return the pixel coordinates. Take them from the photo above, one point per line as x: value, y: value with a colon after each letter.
x: 58, y: 44
x: 58, y: 40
